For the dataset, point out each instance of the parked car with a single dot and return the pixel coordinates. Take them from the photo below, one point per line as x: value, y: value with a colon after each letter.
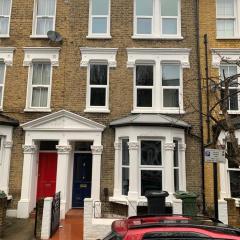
x: 170, y: 227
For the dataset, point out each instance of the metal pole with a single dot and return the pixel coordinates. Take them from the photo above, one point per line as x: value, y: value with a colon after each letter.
x: 215, y: 172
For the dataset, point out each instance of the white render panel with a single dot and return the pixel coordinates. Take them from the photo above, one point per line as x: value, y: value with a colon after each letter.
x: 6, y: 54
x: 46, y: 218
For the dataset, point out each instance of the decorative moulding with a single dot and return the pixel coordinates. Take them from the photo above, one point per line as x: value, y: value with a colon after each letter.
x: 64, y: 149
x: 169, y: 146
x: 136, y: 55
x: 133, y: 145
x: 41, y: 53
x: 6, y: 54
x: 8, y: 144
x: 230, y: 54
x: 97, y: 150
x: 29, y: 149
x: 98, y: 55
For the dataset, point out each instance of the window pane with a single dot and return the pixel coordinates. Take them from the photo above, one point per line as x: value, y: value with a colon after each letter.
x: 4, y: 25
x: 1, y: 89
x: 98, y: 74
x: 144, y: 97
x: 100, y: 7
x: 169, y: 26
x: 170, y: 75
x: 144, y: 7
x: 99, y: 25
x: 235, y: 183
x: 176, y: 179
x: 46, y: 7
x: 233, y: 101
x: 225, y: 28
x: 5, y: 7
x: 176, y: 161
x: 2, y: 69
x: 150, y: 180
x: 44, y: 25
x: 98, y: 96
x: 144, y: 75
x: 125, y: 181
x: 46, y: 74
x: 151, y: 153
x: 125, y: 152
x: 37, y: 74
x: 225, y: 8
x: 170, y: 98
x: 36, y: 97
x: 44, y: 97
x: 169, y: 8
x: 144, y: 26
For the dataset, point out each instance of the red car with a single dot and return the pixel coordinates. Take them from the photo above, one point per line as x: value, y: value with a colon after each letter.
x: 170, y: 227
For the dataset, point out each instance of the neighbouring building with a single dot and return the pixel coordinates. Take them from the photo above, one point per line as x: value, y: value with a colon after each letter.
x: 219, y: 19
x: 108, y: 113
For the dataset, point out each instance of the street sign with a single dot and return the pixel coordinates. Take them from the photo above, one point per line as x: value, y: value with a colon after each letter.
x: 214, y: 155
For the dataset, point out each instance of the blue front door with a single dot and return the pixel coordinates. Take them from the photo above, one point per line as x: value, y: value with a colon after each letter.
x: 82, y: 177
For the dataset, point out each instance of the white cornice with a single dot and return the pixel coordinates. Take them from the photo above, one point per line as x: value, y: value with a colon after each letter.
x: 230, y: 54
x: 41, y: 53
x: 6, y: 54
x: 98, y: 54
x: 158, y: 54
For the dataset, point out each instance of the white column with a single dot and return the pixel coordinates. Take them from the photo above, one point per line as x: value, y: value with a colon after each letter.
x: 117, y: 169
x: 6, y: 166
x: 62, y: 175
x: 25, y: 203
x: 182, y: 165
x: 169, y: 170
x: 46, y: 218
x: 133, y: 171
x: 96, y: 172
x: 224, y: 187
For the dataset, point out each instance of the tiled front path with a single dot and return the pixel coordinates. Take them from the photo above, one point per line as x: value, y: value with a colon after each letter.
x: 72, y: 226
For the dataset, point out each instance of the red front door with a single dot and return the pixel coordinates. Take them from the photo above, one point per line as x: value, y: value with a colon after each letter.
x: 47, y: 172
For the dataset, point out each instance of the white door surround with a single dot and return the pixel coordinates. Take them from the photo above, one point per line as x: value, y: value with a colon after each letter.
x: 64, y: 127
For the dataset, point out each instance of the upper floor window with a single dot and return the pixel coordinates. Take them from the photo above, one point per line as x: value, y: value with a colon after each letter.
x: 98, y: 86
x: 229, y: 70
x: 99, y: 19
x: 44, y: 17
x: 5, y: 12
x: 160, y: 90
x: 227, y: 26
x: 2, y: 80
x: 157, y: 19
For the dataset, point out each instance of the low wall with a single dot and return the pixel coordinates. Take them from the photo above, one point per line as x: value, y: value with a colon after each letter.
x: 3, y: 210
x: 233, y: 212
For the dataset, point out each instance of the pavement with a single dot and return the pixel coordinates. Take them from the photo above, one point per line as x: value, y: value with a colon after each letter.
x: 19, y: 229
x: 72, y: 227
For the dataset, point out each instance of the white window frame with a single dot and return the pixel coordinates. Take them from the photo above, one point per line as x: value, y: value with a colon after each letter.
x: 34, y: 22
x: 89, y: 86
x: 31, y: 86
x: 106, y: 35
x: 151, y: 167
x: 3, y: 84
x: 235, y: 17
x: 9, y: 20
x: 232, y: 88
x: 157, y: 23
x: 39, y: 55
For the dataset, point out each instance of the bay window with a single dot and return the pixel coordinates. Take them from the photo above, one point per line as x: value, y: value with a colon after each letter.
x: 2, y: 80
x: 151, y: 167
x: 5, y: 12
x: 157, y: 19
x: 176, y: 166
x: 44, y: 17
x: 99, y: 18
x: 226, y: 11
x: 234, y: 87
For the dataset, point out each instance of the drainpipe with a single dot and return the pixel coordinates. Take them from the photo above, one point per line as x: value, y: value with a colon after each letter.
x: 200, y: 105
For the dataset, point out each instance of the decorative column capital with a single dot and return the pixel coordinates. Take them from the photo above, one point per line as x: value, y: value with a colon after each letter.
x: 182, y: 147
x: 97, y: 150
x: 8, y: 144
x: 133, y: 145
x: 29, y: 149
x: 64, y: 149
x: 117, y: 145
x: 169, y: 146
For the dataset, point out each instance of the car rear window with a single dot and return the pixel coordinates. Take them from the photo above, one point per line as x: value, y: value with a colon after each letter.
x: 174, y: 235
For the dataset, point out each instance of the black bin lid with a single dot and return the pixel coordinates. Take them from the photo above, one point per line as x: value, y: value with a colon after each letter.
x: 156, y: 194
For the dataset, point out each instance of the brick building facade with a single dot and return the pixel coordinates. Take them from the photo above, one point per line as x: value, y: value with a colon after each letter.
x: 118, y: 96
x: 223, y: 43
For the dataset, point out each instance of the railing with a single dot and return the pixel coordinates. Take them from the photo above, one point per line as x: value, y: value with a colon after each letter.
x: 55, y: 215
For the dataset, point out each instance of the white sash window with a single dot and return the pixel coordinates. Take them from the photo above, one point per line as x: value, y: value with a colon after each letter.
x: 5, y: 12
